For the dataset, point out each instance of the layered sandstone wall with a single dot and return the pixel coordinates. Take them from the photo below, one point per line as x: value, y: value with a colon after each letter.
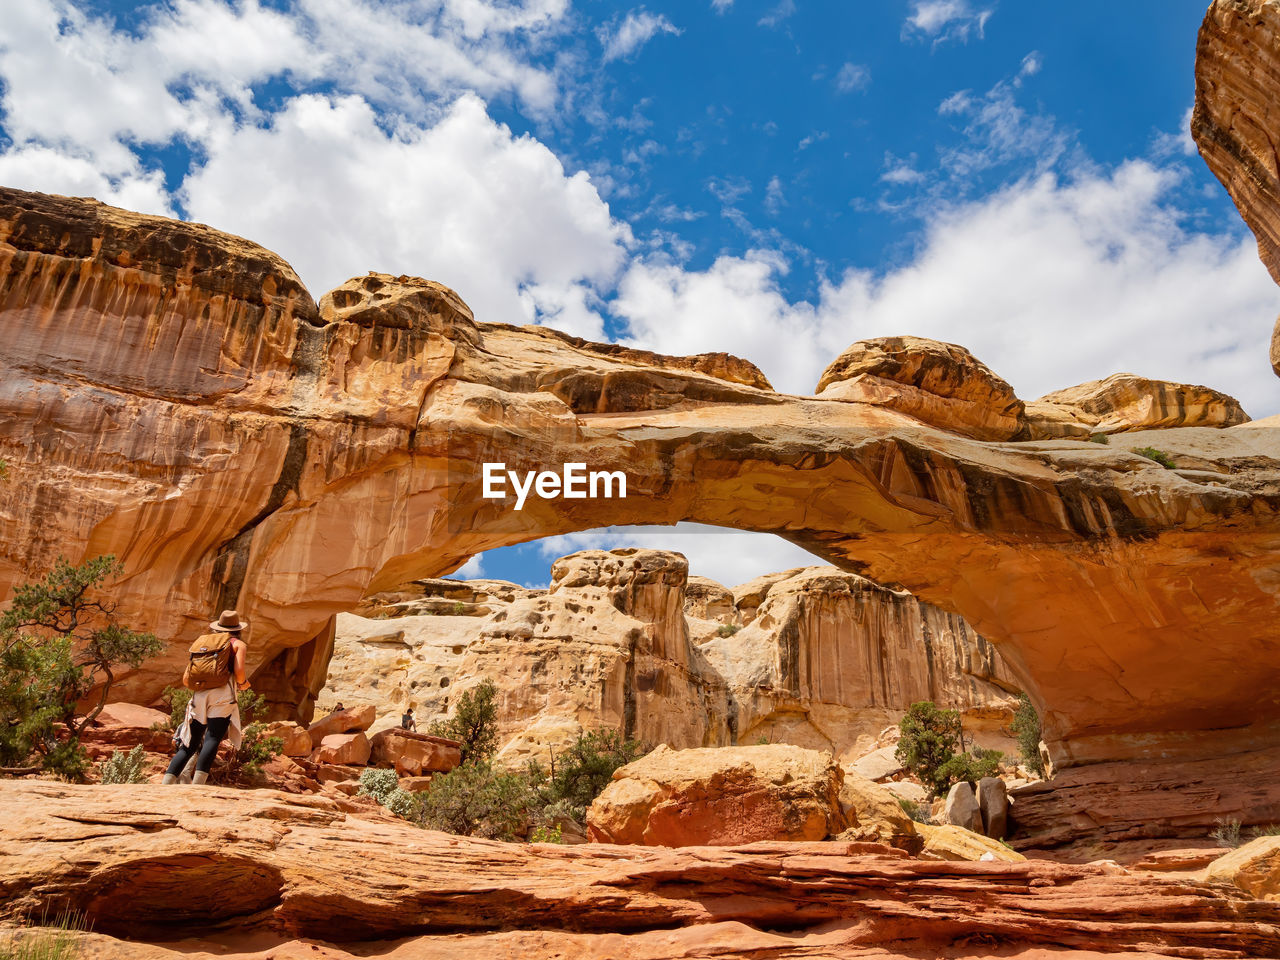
x: 623, y: 640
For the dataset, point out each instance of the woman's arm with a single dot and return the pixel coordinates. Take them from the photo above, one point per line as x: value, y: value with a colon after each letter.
x: 240, y: 651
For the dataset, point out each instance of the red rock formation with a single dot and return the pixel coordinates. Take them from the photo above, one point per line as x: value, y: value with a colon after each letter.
x: 1234, y: 122
x: 158, y: 864
x: 173, y: 398
x: 720, y: 797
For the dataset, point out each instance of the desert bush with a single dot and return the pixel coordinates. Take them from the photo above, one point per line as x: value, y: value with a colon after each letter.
x: 1231, y: 833
x: 177, y: 698
x: 1099, y: 438
x: 1028, y: 733
x: 581, y: 773
x: 1159, y: 456
x: 727, y: 629
x: 378, y: 784
x: 1226, y: 833
x: 403, y: 803
x: 60, y: 643
x: 474, y: 723
x: 125, y: 767
x: 546, y: 834
x: 478, y: 800
x: 971, y: 767
x: 919, y: 812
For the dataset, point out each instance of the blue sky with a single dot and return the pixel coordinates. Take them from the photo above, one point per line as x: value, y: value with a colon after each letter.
x: 777, y: 179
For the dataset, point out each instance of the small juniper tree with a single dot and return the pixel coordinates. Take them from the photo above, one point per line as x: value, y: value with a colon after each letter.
x: 930, y: 737
x: 59, y: 643
x: 1026, y: 728
x: 474, y: 723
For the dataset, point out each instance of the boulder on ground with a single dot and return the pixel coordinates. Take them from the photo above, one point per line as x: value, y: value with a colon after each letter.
x: 875, y: 815
x: 412, y: 754
x: 720, y: 796
x: 330, y: 773
x: 1254, y: 868
x: 126, y: 725
x: 907, y: 790
x: 949, y: 842
x: 349, y: 720
x: 348, y: 749
x: 878, y: 764
x: 993, y: 802
x: 296, y: 740
x: 962, y: 808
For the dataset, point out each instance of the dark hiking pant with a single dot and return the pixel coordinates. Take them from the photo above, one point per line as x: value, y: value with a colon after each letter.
x: 204, y: 741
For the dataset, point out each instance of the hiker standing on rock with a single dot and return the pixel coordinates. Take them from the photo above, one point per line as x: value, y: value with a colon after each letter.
x: 215, y: 671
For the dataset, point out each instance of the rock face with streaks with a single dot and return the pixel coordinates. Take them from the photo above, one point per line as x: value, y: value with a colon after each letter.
x: 1124, y: 402
x: 625, y: 639
x: 156, y: 865
x: 1234, y: 121
x: 174, y: 397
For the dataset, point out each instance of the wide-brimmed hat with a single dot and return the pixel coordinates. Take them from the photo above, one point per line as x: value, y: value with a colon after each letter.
x: 229, y: 622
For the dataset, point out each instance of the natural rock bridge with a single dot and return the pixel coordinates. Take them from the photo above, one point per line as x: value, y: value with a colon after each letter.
x: 176, y: 398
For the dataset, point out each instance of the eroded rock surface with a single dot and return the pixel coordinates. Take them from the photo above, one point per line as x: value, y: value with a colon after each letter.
x: 626, y: 640
x: 155, y: 864
x: 720, y: 797
x: 1235, y: 123
x: 174, y: 397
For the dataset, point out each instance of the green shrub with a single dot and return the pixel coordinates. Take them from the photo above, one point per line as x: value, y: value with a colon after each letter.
x: 59, y: 642
x: 919, y: 812
x: 1226, y: 833
x: 581, y: 773
x: 477, y: 800
x: 930, y: 737
x: 546, y: 834
x: 728, y: 629
x: 378, y: 784
x: 125, y: 767
x: 1027, y: 731
x: 971, y: 767
x: 1159, y: 456
x: 403, y: 803
x: 177, y: 698
x: 1099, y: 438
x: 474, y: 723
x: 458, y: 609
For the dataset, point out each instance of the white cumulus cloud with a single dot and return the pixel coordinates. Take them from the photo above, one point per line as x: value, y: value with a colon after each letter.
x: 465, y: 202
x: 1049, y: 281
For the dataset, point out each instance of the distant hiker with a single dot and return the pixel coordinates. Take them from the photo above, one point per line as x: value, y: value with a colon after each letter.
x: 338, y: 709
x: 215, y: 671
x: 407, y: 721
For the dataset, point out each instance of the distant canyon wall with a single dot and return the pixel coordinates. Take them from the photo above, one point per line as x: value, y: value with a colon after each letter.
x: 626, y: 640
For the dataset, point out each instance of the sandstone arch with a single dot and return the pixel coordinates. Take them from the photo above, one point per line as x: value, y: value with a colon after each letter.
x: 176, y: 398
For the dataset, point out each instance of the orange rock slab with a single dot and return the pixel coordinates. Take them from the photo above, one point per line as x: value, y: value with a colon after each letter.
x: 156, y: 865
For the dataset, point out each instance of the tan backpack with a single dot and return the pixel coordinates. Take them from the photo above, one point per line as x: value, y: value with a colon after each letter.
x: 209, y: 662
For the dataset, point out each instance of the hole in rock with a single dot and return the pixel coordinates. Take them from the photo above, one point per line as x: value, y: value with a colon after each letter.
x: 689, y: 636
x: 136, y: 899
